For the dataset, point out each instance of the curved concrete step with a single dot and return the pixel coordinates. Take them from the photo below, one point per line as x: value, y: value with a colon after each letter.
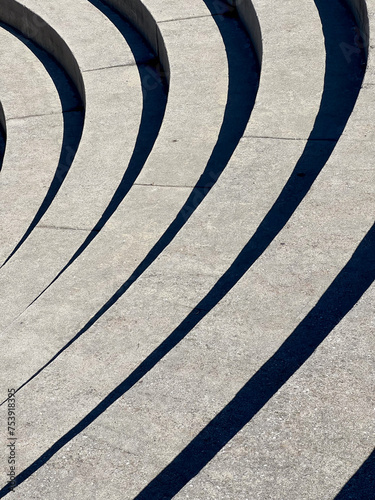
x: 178, y: 397
x: 39, y: 110
x: 159, y: 305
x: 114, y: 228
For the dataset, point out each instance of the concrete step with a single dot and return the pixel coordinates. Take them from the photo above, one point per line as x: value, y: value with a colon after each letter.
x: 181, y: 365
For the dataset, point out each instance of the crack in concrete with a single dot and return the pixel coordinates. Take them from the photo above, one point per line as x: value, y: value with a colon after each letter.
x: 66, y: 228
x: 146, y: 62
x: 288, y: 138
x: 54, y: 113
x: 163, y: 185
x: 185, y: 18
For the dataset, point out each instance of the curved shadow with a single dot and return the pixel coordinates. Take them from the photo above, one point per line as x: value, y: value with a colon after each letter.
x: 362, y: 485
x: 242, y: 90
x: 341, y: 87
x: 3, y: 135
x: 73, y: 117
x: 342, y: 80
x: 155, y: 94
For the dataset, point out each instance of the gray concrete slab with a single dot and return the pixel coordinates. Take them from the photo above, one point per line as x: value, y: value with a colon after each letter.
x: 263, y: 386
x: 93, y: 178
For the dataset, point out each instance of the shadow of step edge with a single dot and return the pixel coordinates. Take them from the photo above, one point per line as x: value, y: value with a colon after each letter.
x: 148, y: 409
x: 147, y: 24
x: 3, y: 135
x: 359, y: 473
x: 326, y: 403
x: 138, y: 194
x: 155, y: 197
x: 35, y: 482
x: 126, y: 306
x: 249, y: 18
x: 360, y: 13
x: 139, y: 15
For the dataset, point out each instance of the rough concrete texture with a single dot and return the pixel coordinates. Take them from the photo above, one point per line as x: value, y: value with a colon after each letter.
x: 188, y: 250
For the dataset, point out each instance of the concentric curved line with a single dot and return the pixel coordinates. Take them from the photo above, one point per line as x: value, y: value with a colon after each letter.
x: 354, y: 279
x: 319, y: 147
x: 345, y: 291
x: 236, y: 117
x: 154, y: 105
x: 240, y: 103
x: 34, y: 28
x: 239, y: 106
x: 35, y: 33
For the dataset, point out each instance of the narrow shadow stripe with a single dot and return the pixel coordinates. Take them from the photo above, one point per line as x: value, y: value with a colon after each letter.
x: 3, y: 135
x: 242, y: 89
x: 73, y: 117
x: 362, y: 485
x: 342, y: 79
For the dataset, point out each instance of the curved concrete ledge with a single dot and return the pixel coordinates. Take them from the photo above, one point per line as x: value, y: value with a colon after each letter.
x: 140, y: 16
x: 36, y: 29
x: 112, y: 92
x: 142, y: 19
x: 111, y: 3
x: 195, y: 70
x: 360, y: 13
x: 250, y: 20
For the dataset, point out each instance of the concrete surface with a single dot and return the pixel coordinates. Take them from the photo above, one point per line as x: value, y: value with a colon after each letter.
x: 192, y: 316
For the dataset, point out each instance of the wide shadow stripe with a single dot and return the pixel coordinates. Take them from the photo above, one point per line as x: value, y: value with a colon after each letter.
x: 242, y: 90
x: 345, y: 291
x: 348, y: 78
